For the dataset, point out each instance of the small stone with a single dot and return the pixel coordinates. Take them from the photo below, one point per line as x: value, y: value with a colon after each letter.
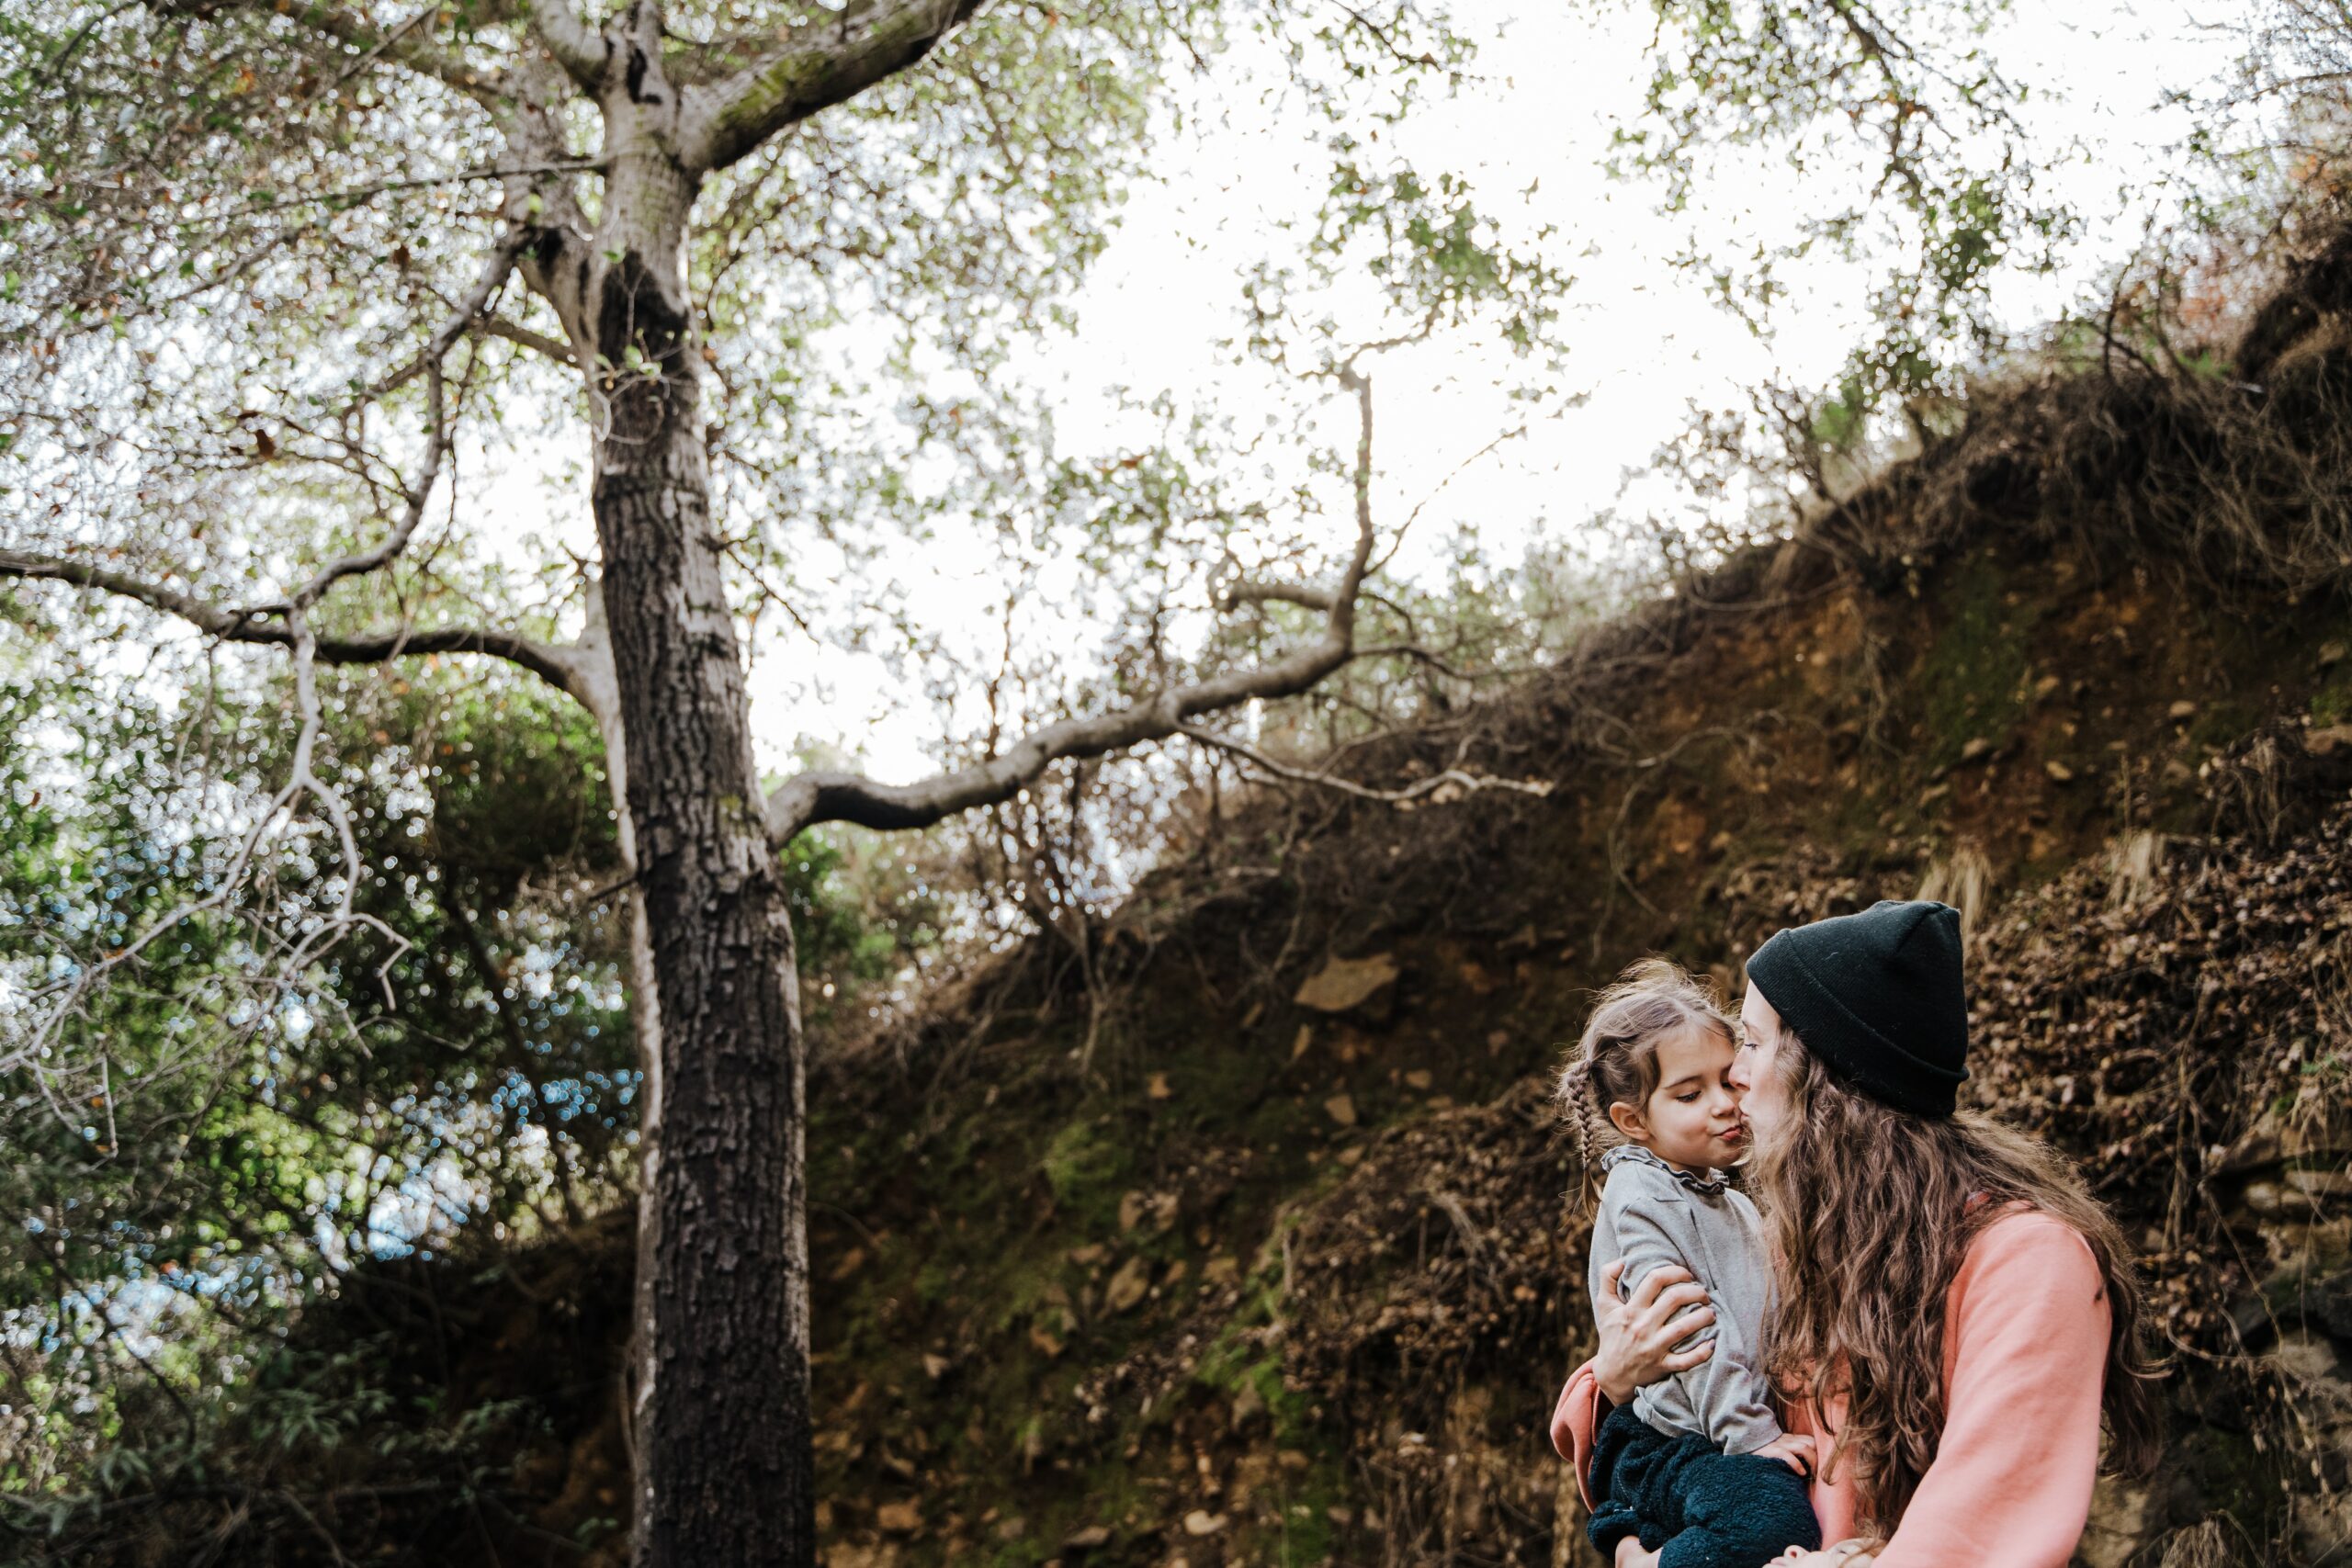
x: 1293, y: 1458
x: 2181, y: 709
x: 1351, y: 1156
x: 1220, y: 1270
x: 1091, y: 1253
x: 1341, y: 1108
x: 1128, y: 1286
x: 1086, y: 1539
x: 2059, y: 771
x: 935, y: 1366
x: 1418, y: 1078
x: 2330, y: 653
x: 1248, y: 1404
x: 1012, y: 1528
x: 1157, y: 1088
x: 899, y: 1518
x: 1976, y: 747
x: 1200, y: 1521
x: 1344, y: 982
x: 1498, y: 1039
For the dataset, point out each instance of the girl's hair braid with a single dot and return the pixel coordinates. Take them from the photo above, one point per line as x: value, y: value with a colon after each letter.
x: 1615, y: 1063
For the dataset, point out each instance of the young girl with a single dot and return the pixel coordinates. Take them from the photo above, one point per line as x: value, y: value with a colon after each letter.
x: 1696, y: 1472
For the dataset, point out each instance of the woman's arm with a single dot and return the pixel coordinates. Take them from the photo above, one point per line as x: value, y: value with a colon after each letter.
x: 1637, y: 1340
x: 1638, y: 1335
x: 2027, y: 1346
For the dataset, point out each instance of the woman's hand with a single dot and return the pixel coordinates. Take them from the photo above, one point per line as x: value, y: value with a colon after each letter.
x: 1636, y: 1341
x: 1856, y: 1554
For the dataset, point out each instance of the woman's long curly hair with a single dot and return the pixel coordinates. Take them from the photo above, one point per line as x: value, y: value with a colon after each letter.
x: 1868, y: 1212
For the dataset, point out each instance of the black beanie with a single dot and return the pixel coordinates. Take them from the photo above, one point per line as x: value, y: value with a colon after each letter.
x: 1879, y: 997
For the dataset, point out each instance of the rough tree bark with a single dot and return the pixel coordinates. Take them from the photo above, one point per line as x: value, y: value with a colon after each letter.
x: 725, y: 1472
x: 720, y: 1421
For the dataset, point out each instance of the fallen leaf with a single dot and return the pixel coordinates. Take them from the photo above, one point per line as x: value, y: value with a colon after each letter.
x: 899, y: 1518
x: 1341, y: 1108
x: 1418, y: 1078
x: 1157, y: 1088
x: 2320, y: 742
x: 1127, y: 1286
x: 1345, y: 983
x: 1200, y: 1521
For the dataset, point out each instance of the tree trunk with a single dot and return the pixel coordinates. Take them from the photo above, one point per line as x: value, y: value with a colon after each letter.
x: 723, y: 1445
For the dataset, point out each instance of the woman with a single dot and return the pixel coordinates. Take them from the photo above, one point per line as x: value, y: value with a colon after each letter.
x: 1957, y: 1313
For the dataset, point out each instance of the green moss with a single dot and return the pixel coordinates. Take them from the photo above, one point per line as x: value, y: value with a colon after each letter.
x: 1973, y: 679
x: 1087, y: 1163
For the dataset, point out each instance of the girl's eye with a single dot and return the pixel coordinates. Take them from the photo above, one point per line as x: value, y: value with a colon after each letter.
x: 1690, y: 1098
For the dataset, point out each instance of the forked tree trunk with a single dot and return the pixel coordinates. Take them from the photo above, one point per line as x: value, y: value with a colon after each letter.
x: 723, y: 1432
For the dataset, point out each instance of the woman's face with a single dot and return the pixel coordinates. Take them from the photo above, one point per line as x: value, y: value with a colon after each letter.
x: 1763, y: 1099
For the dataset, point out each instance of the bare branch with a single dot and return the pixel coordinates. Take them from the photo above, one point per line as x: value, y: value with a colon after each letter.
x: 1246, y: 591
x: 818, y: 65
x: 515, y: 333
x: 813, y: 798
x: 495, y: 269
x: 1460, y: 782
x: 558, y: 664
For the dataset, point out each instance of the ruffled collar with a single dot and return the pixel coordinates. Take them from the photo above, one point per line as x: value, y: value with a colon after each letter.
x: 1712, y: 1185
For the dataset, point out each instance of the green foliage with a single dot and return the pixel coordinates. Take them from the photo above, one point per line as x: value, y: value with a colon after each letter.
x: 1909, y: 96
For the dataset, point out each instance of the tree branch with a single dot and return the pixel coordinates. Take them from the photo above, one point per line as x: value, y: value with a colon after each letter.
x: 558, y: 664
x: 1463, y: 782
x: 820, y: 65
x: 1248, y: 592
x: 578, y: 50
x: 813, y: 798
x: 396, y: 44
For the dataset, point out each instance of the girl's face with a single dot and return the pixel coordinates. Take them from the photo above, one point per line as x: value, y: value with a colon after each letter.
x: 1692, y: 1118
x: 1762, y: 1096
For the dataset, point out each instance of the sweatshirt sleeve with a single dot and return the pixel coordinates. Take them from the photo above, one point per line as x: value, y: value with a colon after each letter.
x: 1655, y: 1226
x: 1576, y: 1420
x: 2011, y: 1481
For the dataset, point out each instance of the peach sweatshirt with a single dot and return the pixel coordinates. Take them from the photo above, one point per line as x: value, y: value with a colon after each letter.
x: 2025, y: 1343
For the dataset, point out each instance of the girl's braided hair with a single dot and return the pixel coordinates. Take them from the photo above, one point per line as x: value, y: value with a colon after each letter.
x: 1615, y: 1062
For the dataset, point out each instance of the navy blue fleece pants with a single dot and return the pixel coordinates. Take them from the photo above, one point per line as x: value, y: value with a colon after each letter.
x: 1705, y: 1507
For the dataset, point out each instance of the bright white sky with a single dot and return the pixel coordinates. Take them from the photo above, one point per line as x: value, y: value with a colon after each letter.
x: 1647, y: 343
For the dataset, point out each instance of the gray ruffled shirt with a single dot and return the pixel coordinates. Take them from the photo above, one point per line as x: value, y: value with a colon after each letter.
x: 1651, y: 1214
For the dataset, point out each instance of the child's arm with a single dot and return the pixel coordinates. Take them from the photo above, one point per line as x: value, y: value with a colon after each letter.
x: 1655, y: 1226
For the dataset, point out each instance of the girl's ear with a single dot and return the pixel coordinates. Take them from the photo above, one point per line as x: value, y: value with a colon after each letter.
x: 1628, y: 1121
